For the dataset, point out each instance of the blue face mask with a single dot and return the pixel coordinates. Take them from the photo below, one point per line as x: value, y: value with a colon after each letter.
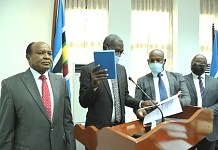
x: 117, y: 59
x: 156, y: 67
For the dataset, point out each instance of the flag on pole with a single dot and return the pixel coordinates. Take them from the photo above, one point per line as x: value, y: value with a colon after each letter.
x: 214, y: 62
x: 60, y: 57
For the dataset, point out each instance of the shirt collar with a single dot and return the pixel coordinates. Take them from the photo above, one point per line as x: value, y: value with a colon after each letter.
x: 196, y: 76
x: 36, y: 75
x: 163, y: 73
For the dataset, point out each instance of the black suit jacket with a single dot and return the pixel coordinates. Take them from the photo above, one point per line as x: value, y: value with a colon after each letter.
x: 99, y: 102
x: 210, y: 99
x: 24, y: 123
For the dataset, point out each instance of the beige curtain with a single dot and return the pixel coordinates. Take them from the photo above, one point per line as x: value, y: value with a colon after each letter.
x: 86, y: 27
x: 208, y: 15
x: 151, y: 28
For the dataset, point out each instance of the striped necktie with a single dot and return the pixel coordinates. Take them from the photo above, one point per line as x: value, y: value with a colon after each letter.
x: 201, y: 87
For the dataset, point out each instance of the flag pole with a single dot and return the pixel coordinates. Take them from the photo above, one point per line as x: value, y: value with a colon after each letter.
x: 213, y: 33
x: 54, y: 22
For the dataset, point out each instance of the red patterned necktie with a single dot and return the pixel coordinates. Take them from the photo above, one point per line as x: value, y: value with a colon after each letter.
x: 46, y: 95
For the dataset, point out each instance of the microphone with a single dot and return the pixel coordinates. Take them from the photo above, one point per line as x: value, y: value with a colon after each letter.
x: 148, y: 98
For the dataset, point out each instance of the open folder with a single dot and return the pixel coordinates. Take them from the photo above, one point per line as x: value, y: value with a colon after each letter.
x: 106, y: 59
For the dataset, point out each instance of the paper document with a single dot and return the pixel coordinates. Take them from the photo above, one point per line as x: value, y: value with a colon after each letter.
x: 169, y: 107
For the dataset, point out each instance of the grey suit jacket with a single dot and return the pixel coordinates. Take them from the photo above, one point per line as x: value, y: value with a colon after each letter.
x: 210, y: 99
x: 99, y: 102
x: 24, y: 123
x: 176, y: 83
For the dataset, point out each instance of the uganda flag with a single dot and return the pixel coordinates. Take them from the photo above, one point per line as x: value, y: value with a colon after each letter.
x: 60, y: 57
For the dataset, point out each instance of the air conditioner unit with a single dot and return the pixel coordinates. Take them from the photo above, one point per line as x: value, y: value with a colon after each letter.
x: 79, y: 113
x: 207, y: 71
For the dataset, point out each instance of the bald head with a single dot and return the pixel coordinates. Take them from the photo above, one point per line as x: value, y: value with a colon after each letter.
x: 199, y: 64
x: 200, y: 58
x: 156, y: 52
x: 156, y: 56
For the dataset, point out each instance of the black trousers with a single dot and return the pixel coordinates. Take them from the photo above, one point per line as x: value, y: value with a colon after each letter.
x: 204, y: 144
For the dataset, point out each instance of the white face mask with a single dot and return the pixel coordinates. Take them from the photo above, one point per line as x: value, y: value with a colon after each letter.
x: 117, y: 59
x: 156, y: 67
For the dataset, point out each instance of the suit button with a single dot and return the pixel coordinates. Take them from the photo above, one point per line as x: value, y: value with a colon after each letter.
x: 52, y: 129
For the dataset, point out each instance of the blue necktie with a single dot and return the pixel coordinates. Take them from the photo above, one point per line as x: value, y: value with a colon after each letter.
x: 162, y: 88
x: 201, y: 87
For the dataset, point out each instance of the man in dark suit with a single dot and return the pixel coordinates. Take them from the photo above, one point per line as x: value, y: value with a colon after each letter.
x: 203, y: 92
x: 96, y: 92
x: 36, y: 115
x: 174, y: 82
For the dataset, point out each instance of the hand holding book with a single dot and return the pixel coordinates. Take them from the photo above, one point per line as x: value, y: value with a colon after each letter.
x: 97, y: 76
x: 106, y: 59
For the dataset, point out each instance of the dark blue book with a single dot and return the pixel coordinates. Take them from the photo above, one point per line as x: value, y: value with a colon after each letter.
x: 106, y: 59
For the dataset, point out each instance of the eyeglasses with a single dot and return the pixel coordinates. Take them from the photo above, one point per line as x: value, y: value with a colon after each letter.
x: 198, y: 63
x: 117, y: 51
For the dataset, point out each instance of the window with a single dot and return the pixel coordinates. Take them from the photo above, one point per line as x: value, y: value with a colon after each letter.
x: 85, y: 29
x: 151, y: 28
x: 208, y: 16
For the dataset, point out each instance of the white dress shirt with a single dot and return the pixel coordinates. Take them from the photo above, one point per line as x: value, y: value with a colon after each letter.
x: 166, y: 83
x: 113, y: 111
x: 36, y: 76
x: 197, y: 87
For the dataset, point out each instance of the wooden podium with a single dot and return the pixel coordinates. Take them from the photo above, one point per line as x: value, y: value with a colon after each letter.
x: 181, y: 132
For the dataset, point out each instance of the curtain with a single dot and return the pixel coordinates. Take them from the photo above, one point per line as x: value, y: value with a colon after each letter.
x: 151, y: 28
x: 86, y: 28
x: 208, y: 15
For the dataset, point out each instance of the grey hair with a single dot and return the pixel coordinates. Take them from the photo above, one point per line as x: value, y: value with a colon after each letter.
x: 110, y: 40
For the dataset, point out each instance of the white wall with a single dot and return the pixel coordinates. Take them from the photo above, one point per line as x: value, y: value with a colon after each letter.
x: 185, y: 33
x: 120, y: 24
x: 22, y: 22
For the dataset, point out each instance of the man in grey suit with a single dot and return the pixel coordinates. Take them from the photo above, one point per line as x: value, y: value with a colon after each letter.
x: 174, y: 82
x: 27, y: 122
x: 96, y: 91
x: 203, y: 92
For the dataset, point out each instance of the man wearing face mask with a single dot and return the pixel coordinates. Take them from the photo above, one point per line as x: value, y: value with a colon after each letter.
x: 203, y: 92
x: 161, y: 84
x: 106, y: 98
